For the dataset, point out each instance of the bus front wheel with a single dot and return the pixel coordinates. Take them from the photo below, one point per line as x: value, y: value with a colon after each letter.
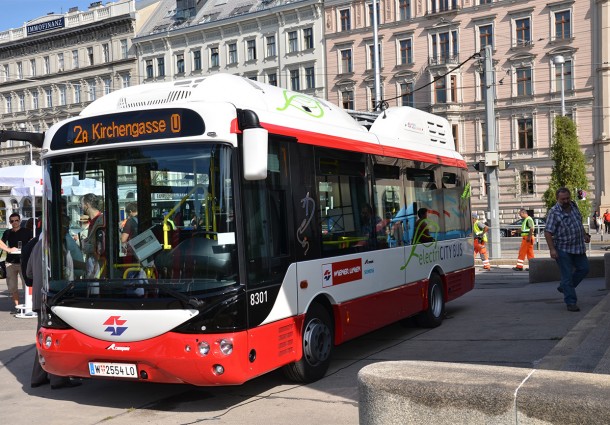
x: 435, y: 313
x: 317, y: 340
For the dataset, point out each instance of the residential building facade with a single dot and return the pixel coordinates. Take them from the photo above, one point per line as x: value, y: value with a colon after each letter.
x: 55, y: 65
x: 279, y: 42
x: 430, y: 57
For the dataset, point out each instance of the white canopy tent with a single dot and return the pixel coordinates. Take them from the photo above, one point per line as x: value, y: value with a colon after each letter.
x: 25, y: 180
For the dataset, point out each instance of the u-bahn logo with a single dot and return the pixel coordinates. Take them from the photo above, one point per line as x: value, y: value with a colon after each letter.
x: 113, y: 324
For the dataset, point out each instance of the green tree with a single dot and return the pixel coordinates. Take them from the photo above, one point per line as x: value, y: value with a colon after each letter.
x: 569, y: 169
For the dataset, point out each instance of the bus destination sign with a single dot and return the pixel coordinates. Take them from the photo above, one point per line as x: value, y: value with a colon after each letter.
x: 128, y: 127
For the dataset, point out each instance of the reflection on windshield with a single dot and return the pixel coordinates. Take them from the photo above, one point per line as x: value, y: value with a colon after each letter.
x: 140, y: 218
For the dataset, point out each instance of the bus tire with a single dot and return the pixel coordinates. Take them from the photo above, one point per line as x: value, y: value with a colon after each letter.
x: 435, y: 313
x: 317, y: 341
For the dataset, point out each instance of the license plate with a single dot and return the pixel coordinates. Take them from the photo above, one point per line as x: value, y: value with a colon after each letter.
x: 117, y: 370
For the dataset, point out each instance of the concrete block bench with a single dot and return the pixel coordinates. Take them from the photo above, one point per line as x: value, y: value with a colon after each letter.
x: 545, y: 269
x: 418, y: 392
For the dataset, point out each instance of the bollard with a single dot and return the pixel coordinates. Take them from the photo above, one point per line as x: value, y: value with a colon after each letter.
x: 606, y: 269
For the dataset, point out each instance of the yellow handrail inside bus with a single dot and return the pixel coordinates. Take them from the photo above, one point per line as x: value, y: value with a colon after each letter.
x: 167, y: 217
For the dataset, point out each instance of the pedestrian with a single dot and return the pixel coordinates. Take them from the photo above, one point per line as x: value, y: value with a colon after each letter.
x: 480, y: 230
x: 12, y: 241
x: 595, y: 221
x: 566, y: 238
x: 39, y: 375
x: 527, y: 239
x: 607, y: 221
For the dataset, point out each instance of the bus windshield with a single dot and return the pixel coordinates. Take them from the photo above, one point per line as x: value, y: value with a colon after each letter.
x: 139, y: 221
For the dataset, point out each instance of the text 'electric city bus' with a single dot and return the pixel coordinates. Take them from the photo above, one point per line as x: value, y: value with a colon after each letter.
x: 236, y: 227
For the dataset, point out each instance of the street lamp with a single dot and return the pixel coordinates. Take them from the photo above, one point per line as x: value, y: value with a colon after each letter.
x: 559, y: 60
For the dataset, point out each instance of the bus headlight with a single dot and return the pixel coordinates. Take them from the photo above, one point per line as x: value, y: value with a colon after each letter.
x: 204, y: 348
x: 226, y: 346
x: 48, y: 341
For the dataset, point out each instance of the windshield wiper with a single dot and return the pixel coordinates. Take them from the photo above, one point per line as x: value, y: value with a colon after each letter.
x: 190, y: 301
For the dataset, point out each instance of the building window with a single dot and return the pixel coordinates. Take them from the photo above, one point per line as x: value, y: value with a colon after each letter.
x: 568, y: 81
x: 527, y: 182
x: 562, y: 25
x: 35, y: 103
x: 308, y: 38
x: 486, y: 35
x: 443, y: 5
x: 346, y: 61
x: 525, y: 131
x: 454, y: 95
x: 373, y: 97
x: 440, y: 90
x: 77, y: 93
x: 404, y: 9
x: 49, y: 97
x: 149, y: 68
x: 370, y: 7
x: 214, y: 57
x: 251, y: 50
x: 524, y: 81
x: 124, y: 50
x: 271, y: 46
x: 9, y: 104
x: 522, y: 32
x: 63, y: 95
x: 484, y: 1
x: 371, y: 61
x: 92, y: 88
x: 21, y: 102
x: 197, y: 60
x: 46, y: 61
x: 20, y: 70
x: 126, y: 80
x: 33, y: 67
x: 6, y: 76
x: 180, y: 63
x: 106, y: 52
x: 273, y: 79
x: 346, y: 23
x: 232, y: 53
x: 90, y: 55
x: 161, y: 67
x: 406, y: 52
x: 482, y: 88
x: 75, y: 59
x: 107, y: 86
x: 444, y: 48
x: 406, y: 95
x: 293, y: 42
x: 347, y: 99
x: 60, y: 62
x: 310, y: 78
x: 295, y: 84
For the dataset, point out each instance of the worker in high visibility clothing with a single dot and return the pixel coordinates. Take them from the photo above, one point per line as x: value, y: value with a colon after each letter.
x: 480, y: 229
x: 527, y: 240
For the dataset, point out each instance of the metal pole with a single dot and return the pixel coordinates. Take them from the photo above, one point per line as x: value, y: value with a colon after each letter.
x: 493, y: 199
x: 563, y: 98
x: 376, y: 58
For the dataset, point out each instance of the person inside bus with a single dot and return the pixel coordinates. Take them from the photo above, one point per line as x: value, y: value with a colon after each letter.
x: 93, y: 244
x: 422, y: 230
x: 130, y: 229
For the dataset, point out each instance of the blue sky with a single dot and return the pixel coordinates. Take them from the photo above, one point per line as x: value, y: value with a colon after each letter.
x: 15, y: 12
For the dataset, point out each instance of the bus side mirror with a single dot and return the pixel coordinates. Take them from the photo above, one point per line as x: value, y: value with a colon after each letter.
x: 255, y: 149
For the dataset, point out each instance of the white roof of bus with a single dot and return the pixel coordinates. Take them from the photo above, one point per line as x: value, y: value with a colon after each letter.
x: 401, y: 127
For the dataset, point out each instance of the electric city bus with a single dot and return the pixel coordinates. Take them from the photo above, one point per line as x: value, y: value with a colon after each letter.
x: 271, y: 226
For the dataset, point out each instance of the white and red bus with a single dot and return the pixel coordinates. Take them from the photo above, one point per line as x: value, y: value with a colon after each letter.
x: 271, y: 226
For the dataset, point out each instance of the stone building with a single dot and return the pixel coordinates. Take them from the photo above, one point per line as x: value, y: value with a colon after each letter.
x: 55, y: 65
x: 427, y: 55
x: 280, y: 42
